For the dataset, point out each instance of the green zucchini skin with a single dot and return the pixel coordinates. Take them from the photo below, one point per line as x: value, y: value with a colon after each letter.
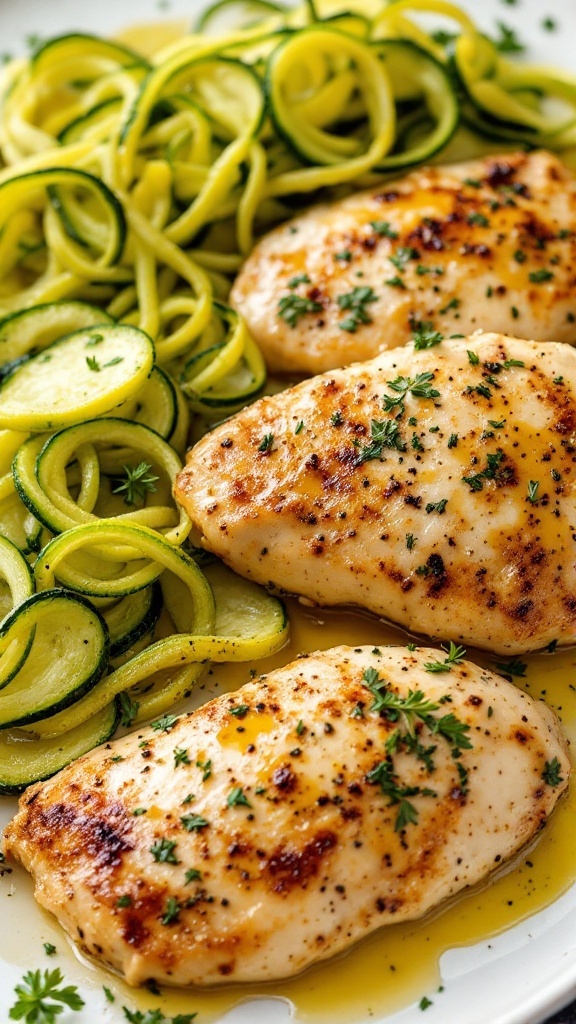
x: 31, y: 704
x: 44, y: 758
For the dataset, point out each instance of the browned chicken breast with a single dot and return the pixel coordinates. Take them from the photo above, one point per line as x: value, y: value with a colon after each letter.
x: 489, y: 244
x: 433, y: 487
x: 275, y: 826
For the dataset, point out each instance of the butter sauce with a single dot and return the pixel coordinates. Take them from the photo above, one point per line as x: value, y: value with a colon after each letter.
x: 399, y: 964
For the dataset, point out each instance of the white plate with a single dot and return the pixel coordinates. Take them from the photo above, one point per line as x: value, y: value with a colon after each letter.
x: 518, y: 977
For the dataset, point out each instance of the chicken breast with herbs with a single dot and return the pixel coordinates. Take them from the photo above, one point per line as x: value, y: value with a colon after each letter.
x: 489, y: 244
x: 433, y: 487
x: 276, y: 826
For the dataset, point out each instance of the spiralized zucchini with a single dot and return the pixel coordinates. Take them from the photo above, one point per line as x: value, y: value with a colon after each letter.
x: 131, y: 190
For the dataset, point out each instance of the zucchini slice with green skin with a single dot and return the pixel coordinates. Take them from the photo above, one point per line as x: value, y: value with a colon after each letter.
x: 69, y: 654
x: 155, y: 406
x: 132, y: 617
x: 32, y: 330
x: 417, y: 75
x: 18, y: 585
x: 98, y: 118
x: 17, y: 192
x: 82, y: 44
x: 39, y: 471
x: 24, y: 760
x: 248, y: 13
x: 79, y: 377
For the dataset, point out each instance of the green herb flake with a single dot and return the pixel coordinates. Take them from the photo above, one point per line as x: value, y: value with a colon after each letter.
x: 453, y: 441
x: 163, y: 851
x: 194, y: 822
x: 237, y: 798
x: 180, y: 756
x: 49, y: 949
x: 437, y: 506
x: 514, y: 667
x: 129, y: 709
x: 383, y: 228
x: 164, y: 724
x: 473, y: 358
x: 40, y: 1000
x: 109, y: 995
x: 298, y: 279
x: 137, y: 482
x: 424, y: 1003
x: 356, y: 301
x: 192, y: 875
x: 539, y: 276
x: 292, y: 307
x: 479, y: 219
x: 385, y: 434
x: 533, y: 486
x: 171, y: 911
x: 124, y: 901
x: 455, y: 655
x: 507, y: 41
x: 551, y: 773
x: 424, y: 336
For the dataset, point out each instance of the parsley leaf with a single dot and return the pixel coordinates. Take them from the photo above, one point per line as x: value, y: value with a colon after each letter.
x: 356, y: 301
x: 36, y: 989
x: 385, y: 434
x: 292, y: 307
x: 551, y: 773
x: 424, y: 335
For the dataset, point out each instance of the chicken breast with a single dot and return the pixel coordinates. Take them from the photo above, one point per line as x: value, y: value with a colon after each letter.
x: 275, y: 826
x: 434, y: 488
x: 489, y: 244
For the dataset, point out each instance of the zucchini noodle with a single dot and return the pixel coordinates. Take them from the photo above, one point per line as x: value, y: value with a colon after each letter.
x: 131, y: 190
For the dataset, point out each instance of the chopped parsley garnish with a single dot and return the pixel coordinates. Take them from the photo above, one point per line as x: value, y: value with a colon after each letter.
x: 424, y: 336
x: 192, y: 875
x: 292, y: 307
x: 49, y: 949
x: 129, y: 709
x: 299, y: 427
x: 93, y: 364
x: 124, y: 901
x: 299, y: 279
x: 237, y: 798
x: 137, y: 482
x: 171, y: 911
x: 539, y: 276
x: 337, y: 419
x: 395, y: 282
x: 476, y: 481
x: 453, y: 441
x: 194, y: 822
x: 163, y: 851
x: 479, y: 219
x: 180, y: 756
x: 267, y: 443
x: 551, y: 773
x: 385, y: 434
x: 437, y: 506
x: 40, y: 1000
x: 240, y: 711
x: 455, y: 656
x: 356, y: 301
x: 156, y: 1017
x: 403, y: 255
x: 418, y: 386
x: 507, y: 41
x: 345, y: 256
x: 410, y: 541
x: 164, y: 724
x: 473, y: 358
x: 384, y: 228
x: 424, y: 1003
x: 206, y: 769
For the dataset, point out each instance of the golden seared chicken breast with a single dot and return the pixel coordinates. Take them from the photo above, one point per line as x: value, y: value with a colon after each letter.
x: 489, y: 245
x: 433, y: 487
x: 275, y: 826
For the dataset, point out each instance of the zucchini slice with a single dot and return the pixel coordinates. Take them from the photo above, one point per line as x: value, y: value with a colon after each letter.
x: 24, y: 760
x: 417, y: 76
x: 131, y: 618
x: 77, y: 378
x: 31, y: 330
x: 68, y: 655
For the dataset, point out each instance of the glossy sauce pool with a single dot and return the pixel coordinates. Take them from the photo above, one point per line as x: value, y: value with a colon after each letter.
x: 400, y: 963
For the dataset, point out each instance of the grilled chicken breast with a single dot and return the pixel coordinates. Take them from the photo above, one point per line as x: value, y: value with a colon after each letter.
x: 433, y: 487
x: 489, y: 244
x: 275, y: 826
